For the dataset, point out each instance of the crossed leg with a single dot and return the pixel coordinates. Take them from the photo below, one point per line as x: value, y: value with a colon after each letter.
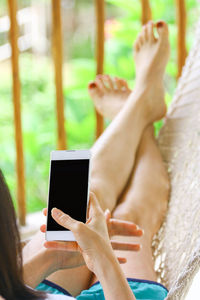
x: 144, y: 202
x: 144, y: 199
x: 116, y: 153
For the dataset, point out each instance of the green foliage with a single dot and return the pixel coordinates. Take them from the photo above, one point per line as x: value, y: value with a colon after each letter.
x: 38, y: 91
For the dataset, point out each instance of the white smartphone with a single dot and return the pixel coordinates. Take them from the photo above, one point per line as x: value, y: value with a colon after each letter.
x: 68, y: 190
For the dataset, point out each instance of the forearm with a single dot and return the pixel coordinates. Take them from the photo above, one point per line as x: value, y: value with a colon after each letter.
x: 112, y: 279
x: 36, y: 269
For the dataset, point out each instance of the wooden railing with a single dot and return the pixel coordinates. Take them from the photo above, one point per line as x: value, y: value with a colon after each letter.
x: 17, y: 112
x: 146, y: 15
x: 100, y: 17
x: 58, y: 57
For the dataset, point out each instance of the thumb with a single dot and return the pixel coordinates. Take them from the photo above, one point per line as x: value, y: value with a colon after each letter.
x: 63, y: 219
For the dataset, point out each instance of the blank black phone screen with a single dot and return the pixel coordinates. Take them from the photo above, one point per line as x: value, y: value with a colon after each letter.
x: 68, y: 190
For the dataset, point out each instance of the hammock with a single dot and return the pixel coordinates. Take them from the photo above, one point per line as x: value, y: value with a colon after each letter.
x: 177, y: 244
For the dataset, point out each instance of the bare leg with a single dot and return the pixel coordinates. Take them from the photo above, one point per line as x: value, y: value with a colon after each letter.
x: 114, y: 153
x: 144, y: 201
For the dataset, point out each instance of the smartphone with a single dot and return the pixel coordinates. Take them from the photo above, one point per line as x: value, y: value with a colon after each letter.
x: 68, y: 190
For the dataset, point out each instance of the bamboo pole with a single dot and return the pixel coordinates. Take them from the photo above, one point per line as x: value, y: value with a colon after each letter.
x: 100, y: 17
x: 146, y: 12
x: 58, y: 60
x: 181, y: 38
x: 12, y: 5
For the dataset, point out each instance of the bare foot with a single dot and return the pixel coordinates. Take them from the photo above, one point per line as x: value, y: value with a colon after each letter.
x: 109, y: 94
x: 151, y: 56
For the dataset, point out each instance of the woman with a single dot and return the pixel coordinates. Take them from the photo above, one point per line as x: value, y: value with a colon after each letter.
x: 128, y: 177
x: 93, y: 242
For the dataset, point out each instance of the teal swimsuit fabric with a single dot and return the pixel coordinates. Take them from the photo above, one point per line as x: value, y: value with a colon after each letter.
x: 51, y: 288
x: 142, y: 289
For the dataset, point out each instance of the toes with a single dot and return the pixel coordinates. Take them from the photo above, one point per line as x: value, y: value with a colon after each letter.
x: 136, y: 46
x: 145, y: 33
x: 94, y: 90
x: 139, y: 41
x: 100, y: 81
x: 123, y: 85
x: 143, y: 36
x: 150, y: 28
x: 109, y: 81
x: 118, y: 84
x: 162, y: 29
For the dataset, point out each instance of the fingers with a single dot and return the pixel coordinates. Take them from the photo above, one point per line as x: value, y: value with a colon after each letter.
x: 67, y: 246
x: 64, y: 219
x: 43, y: 228
x: 125, y: 246
x: 125, y: 228
x: 107, y: 214
x: 122, y: 260
x: 44, y: 211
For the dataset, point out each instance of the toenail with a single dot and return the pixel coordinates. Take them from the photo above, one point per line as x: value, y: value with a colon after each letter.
x: 160, y: 24
x: 92, y: 85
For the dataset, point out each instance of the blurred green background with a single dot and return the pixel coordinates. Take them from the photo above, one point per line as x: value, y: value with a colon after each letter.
x: 38, y: 91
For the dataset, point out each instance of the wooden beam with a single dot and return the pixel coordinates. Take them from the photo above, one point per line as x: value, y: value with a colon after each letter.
x: 181, y: 18
x: 146, y: 12
x: 12, y: 5
x: 100, y: 17
x: 58, y: 60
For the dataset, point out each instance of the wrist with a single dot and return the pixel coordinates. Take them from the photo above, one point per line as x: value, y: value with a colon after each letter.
x: 109, y: 273
x: 104, y: 257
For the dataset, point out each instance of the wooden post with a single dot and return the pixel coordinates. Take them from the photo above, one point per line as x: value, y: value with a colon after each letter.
x: 58, y: 60
x: 146, y: 11
x: 181, y: 38
x: 100, y: 17
x: 12, y: 5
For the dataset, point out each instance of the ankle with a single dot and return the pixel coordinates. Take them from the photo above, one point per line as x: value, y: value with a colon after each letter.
x: 137, y: 99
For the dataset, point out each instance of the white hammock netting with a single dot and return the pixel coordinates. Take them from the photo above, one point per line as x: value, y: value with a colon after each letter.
x: 177, y: 245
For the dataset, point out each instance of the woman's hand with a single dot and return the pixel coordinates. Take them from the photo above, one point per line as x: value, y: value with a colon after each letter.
x: 96, y: 232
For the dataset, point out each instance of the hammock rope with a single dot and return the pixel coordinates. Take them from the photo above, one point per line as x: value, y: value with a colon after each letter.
x: 177, y: 245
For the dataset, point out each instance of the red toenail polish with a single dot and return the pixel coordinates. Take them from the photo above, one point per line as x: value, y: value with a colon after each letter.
x: 92, y: 85
x: 160, y: 24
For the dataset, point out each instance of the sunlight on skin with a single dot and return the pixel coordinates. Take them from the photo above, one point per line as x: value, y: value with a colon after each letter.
x: 115, y: 227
